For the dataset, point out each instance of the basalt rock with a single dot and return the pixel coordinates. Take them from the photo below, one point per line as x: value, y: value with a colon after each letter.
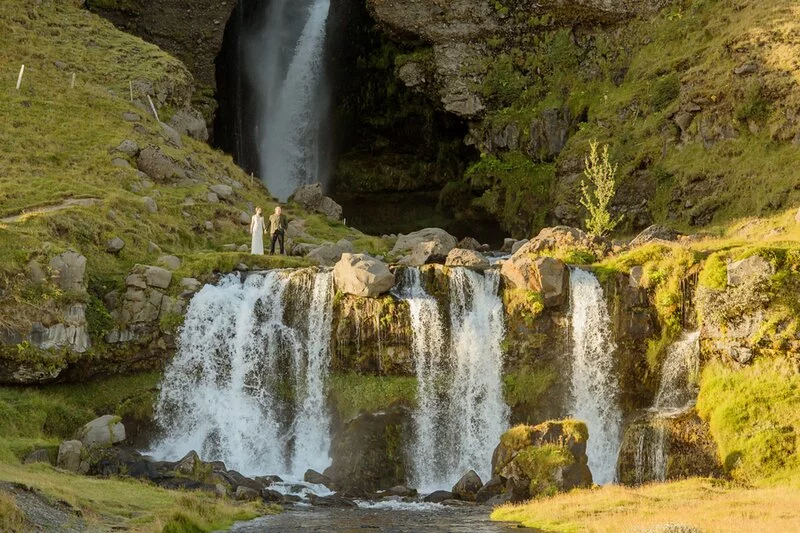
x: 466, y: 258
x: 468, y: 486
x: 362, y: 275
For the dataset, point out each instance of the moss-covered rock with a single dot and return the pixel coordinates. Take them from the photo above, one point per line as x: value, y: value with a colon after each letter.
x: 543, y: 460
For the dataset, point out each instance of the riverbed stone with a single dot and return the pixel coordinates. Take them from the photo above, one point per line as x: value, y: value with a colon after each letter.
x: 493, y: 488
x: 459, y: 257
x: 443, y: 241
x: 438, y: 496
x: 103, y: 431
x: 468, y: 486
x: 334, y: 500
x: 362, y: 275
x: 312, y: 476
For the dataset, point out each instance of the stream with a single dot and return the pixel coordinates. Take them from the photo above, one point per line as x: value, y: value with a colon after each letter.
x: 411, y: 518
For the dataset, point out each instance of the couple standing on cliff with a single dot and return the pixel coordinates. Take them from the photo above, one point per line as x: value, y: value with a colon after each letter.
x: 277, y: 229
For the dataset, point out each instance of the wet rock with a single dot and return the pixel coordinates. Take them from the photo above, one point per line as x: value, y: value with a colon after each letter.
x: 508, y: 245
x: 190, y: 284
x: 188, y: 463
x: 517, y: 245
x: 246, y: 494
x: 468, y: 243
x: 312, y: 476
x: 190, y: 122
x: 115, y: 245
x: 438, y: 496
x: 150, y: 204
x: 37, y: 456
x: 426, y: 253
x: 362, y: 275
x: 459, y: 257
x: 70, y: 270
x: 169, y: 262
x: 70, y: 457
x: 443, y: 241
x: 400, y: 491
x: 468, y: 486
x: 654, y: 233
x: 753, y: 267
x: 271, y: 496
x: 334, y: 500
x: 103, y: 431
x: 493, y: 488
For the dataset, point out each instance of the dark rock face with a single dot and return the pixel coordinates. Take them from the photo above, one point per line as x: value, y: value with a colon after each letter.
x: 369, y: 453
x: 468, y: 486
x: 492, y: 489
x: 439, y: 496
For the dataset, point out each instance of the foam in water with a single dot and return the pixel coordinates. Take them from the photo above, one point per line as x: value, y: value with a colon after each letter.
x: 594, y: 388
x: 243, y: 345
x: 293, y: 95
x: 682, y: 362
x: 461, y: 412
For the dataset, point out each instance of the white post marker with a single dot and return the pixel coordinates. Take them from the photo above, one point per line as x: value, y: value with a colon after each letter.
x: 72, y: 85
x: 155, y: 113
x: 130, y: 84
x: 19, y: 79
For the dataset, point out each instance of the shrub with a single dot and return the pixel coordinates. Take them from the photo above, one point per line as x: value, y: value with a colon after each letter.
x: 599, y: 191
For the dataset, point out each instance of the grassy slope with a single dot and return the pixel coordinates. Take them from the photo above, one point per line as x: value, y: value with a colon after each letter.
x: 700, y: 503
x: 55, y: 144
x: 114, y: 504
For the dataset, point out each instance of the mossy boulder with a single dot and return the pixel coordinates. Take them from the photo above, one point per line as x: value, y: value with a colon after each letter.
x: 543, y: 460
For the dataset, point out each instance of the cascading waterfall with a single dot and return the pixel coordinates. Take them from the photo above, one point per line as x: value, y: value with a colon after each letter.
x: 292, y: 94
x: 247, y: 384
x: 594, y: 389
x: 461, y: 412
x: 676, y: 393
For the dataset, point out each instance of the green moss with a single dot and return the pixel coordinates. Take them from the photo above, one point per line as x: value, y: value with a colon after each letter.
x: 714, y: 274
x: 754, y: 417
x: 528, y: 385
x: 540, y: 464
x: 353, y: 393
x: 524, y: 303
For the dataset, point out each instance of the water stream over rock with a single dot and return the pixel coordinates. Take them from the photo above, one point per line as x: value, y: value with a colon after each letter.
x: 594, y: 389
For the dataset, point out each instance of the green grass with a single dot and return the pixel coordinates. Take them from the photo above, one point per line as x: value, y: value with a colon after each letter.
x: 130, y: 504
x: 528, y: 385
x: 12, y: 520
x: 32, y: 417
x: 754, y: 417
x: 353, y: 393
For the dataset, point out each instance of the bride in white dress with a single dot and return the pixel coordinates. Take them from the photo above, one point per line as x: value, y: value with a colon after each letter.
x: 257, y: 230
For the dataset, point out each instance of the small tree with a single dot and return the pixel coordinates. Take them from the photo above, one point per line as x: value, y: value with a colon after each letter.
x: 599, y: 191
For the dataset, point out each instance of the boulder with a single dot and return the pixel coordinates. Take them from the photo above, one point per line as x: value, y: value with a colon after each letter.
x: 468, y: 243
x: 271, y: 496
x: 311, y: 198
x: 150, y: 204
x: 115, y: 245
x: 120, y: 162
x: 400, y: 491
x: 518, y: 245
x: 636, y: 277
x: 654, y: 233
x: 103, y: 431
x: 459, y: 257
x: 190, y: 284
x: 153, y: 248
x: 244, y: 218
x: 36, y: 273
x: 212, y: 197
x: 508, y: 245
x: 169, y: 262
x: 333, y: 500
x: 131, y: 117
x: 558, y: 238
x: 158, y: 166
x: 444, y: 242
x: 37, y: 456
x: 438, y: 496
x: 312, y: 476
x: 362, y: 275
x: 468, y: 486
x: 753, y: 267
x: 426, y: 253
x: 170, y: 135
x: 190, y: 122
x: 128, y: 147
x: 223, y: 191
x: 543, y: 459
x: 70, y: 270
x: 71, y: 457
x: 154, y: 276
x: 246, y: 494
x: 492, y: 489
x: 545, y: 275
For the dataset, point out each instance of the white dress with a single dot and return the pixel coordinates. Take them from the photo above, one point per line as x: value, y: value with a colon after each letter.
x: 257, y: 223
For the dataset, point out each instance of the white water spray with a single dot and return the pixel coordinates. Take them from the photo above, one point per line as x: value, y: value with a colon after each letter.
x: 594, y: 389
x: 293, y: 94
x: 681, y: 365
x: 247, y: 384
x: 461, y: 412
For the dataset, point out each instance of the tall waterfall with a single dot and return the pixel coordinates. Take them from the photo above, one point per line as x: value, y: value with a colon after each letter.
x: 594, y: 388
x: 285, y: 59
x: 247, y: 384
x: 461, y: 412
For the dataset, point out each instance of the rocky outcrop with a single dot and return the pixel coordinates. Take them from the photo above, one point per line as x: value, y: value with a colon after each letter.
x: 72, y: 457
x: 369, y: 453
x: 468, y: 486
x: 362, y: 275
x: 459, y: 257
x: 311, y: 198
x: 542, y: 460
x: 544, y: 275
x: 103, y: 431
x: 424, y: 245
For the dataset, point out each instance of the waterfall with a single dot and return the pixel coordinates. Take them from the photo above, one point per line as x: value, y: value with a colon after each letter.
x: 650, y: 458
x: 247, y: 384
x: 461, y: 412
x: 681, y: 364
x: 594, y: 388
x: 285, y: 60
